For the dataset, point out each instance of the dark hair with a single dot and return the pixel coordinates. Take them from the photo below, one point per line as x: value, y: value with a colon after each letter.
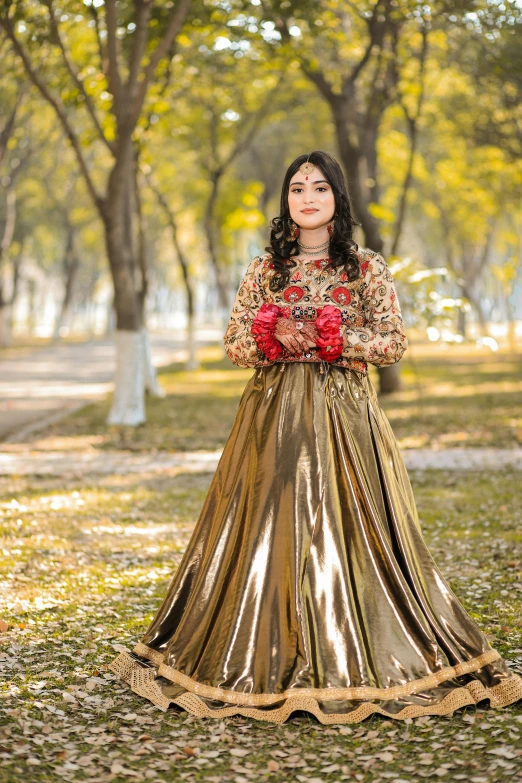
x: 342, y: 250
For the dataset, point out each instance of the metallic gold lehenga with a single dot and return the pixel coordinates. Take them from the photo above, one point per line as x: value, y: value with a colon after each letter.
x: 307, y: 584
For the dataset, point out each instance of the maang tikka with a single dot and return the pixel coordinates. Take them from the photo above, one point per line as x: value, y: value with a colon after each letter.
x: 305, y: 168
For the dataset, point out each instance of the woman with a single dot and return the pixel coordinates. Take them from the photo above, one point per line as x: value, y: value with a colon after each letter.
x: 307, y: 584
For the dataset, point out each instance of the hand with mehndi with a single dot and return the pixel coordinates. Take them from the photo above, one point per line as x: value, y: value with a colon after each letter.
x: 310, y: 330
x: 295, y: 340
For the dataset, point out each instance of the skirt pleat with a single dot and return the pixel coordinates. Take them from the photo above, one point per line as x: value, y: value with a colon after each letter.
x: 307, y: 584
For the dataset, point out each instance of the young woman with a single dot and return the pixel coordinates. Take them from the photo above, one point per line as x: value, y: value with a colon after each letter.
x: 307, y: 584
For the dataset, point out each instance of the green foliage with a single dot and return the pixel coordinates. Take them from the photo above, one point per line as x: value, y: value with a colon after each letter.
x: 236, y: 79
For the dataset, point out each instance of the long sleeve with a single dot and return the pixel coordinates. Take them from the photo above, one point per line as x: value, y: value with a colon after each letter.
x: 382, y: 340
x: 240, y: 345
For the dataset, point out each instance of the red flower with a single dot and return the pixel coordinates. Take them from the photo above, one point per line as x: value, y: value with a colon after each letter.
x: 330, y: 341
x: 263, y: 328
x: 293, y: 294
x: 341, y: 295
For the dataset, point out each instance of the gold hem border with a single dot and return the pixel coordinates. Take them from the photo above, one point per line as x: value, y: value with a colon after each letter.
x: 326, y: 694
x: 142, y: 681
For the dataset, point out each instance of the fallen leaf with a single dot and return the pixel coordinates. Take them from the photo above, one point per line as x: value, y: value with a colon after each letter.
x: 119, y: 769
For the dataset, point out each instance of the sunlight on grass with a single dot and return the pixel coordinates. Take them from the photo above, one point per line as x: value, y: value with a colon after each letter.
x: 83, y: 569
x: 451, y: 398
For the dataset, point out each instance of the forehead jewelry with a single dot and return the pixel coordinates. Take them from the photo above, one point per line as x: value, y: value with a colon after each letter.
x: 306, y: 167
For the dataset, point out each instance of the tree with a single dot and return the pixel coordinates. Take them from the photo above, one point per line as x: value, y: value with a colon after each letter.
x: 118, y: 57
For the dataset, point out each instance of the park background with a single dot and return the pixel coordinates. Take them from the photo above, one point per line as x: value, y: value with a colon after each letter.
x: 142, y: 149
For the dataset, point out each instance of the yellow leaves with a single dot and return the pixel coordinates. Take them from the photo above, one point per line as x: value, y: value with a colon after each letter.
x: 250, y: 200
x: 381, y: 213
x: 240, y: 219
x: 431, y: 210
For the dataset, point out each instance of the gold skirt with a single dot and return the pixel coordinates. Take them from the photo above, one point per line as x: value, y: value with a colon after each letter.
x: 306, y: 584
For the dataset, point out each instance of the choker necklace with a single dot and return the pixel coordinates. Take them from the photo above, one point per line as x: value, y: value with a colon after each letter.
x: 312, y: 250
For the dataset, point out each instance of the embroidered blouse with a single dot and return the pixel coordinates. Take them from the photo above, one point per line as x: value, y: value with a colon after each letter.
x: 358, y: 321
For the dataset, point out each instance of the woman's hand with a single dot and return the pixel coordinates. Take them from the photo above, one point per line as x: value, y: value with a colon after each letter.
x: 295, y: 340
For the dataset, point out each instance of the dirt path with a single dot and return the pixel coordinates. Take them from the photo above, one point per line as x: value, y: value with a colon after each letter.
x: 39, y: 386
x: 24, y: 462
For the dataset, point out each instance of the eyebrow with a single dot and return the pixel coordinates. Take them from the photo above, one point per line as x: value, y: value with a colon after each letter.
x: 315, y: 182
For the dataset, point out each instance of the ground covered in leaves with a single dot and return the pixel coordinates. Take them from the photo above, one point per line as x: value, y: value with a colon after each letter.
x: 84, y: 565
x: 445, y: 396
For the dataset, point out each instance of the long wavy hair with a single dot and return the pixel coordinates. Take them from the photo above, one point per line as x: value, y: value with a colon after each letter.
x: 342, y: 249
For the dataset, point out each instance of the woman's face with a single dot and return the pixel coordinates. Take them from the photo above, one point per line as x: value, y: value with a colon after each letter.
x: 310, y: 199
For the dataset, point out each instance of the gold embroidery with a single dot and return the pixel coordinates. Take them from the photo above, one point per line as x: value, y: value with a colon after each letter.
x: 255, y: 699
x: 372, y: 315
x: 142, y: 681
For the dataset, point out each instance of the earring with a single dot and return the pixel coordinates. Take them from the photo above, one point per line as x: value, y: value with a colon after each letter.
x: 294, y: 231
x: 330, y: 226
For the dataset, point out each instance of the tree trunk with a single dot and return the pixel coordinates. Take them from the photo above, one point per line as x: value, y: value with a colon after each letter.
x: 212, y: 241
x: 5, y: 326
x: 150, y: 377
x: 401, y: 215
x: 351, y: 160
x: 192, y: 362
x: 129, y: 391
x: 5, y: 243
x: 390, y: 379
x: 128, y: 405
x: 15, y: 285
x: 462, y: 323
x: 71, y: 265
x: 475, y: 301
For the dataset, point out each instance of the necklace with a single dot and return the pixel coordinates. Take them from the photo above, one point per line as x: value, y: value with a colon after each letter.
x: 312, y: 250
x: 313, y: 247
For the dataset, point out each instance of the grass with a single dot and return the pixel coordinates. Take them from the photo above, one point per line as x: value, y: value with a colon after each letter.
x: 84, y: 565
x: 24, y: 344
x: 456, y: 397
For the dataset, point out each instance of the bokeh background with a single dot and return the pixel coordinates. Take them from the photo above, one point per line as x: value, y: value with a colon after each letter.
x: 143, y: 146
x: 142, y: 149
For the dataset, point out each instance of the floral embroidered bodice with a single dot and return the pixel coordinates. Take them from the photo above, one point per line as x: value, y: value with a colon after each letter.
x: 359, y: 320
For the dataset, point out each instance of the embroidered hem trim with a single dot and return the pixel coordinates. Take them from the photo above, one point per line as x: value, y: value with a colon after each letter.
x: 142, y: 680
x: 257, y: 699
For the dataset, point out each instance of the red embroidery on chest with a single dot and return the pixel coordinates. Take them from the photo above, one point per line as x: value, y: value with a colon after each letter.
x: 364, y: 266
x: 341, y: 295
x: 293, y: 294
